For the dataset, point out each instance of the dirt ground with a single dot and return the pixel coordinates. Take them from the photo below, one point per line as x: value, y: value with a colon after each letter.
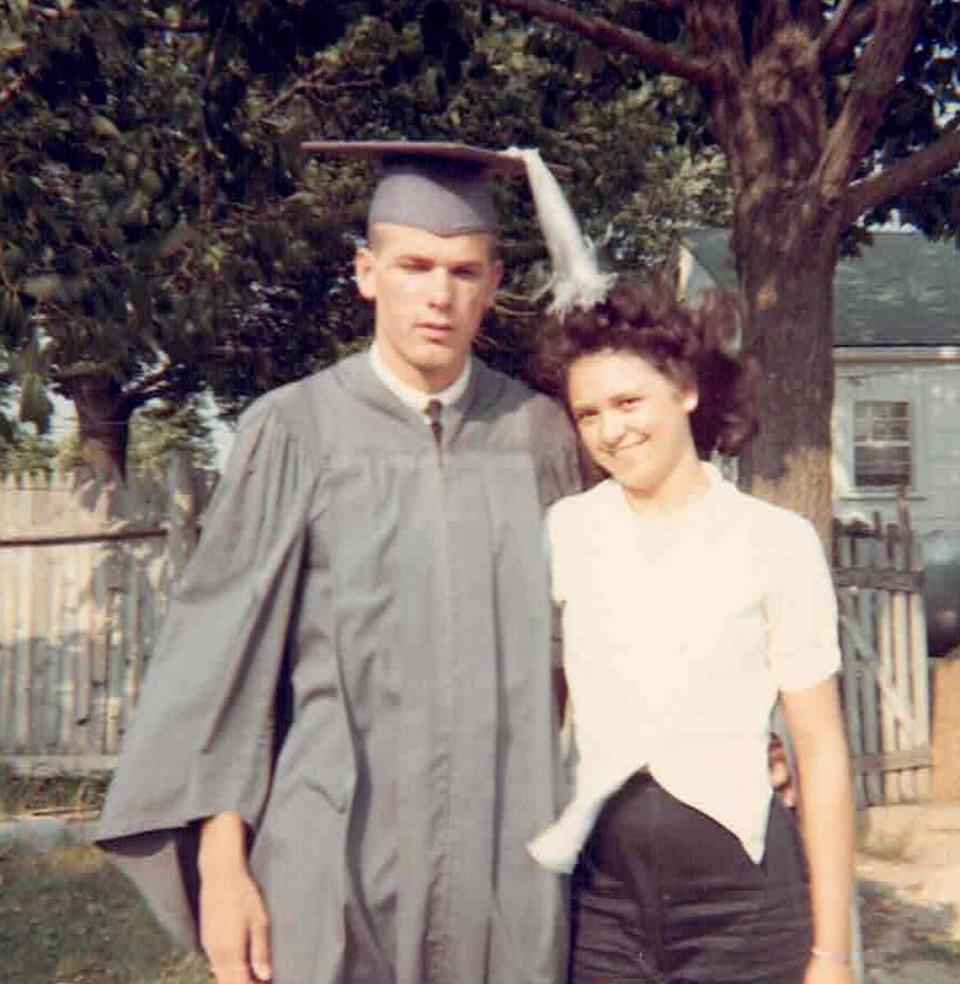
x: 909, y: 890
x: 909, y: 879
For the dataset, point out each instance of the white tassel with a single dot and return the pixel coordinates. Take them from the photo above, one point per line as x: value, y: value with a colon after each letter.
x: 576, y: 280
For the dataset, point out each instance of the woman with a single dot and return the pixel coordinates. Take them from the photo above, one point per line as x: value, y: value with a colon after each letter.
x: 688, y: 607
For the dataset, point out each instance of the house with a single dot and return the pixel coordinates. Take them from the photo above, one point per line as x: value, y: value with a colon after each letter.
x: 896, y: 413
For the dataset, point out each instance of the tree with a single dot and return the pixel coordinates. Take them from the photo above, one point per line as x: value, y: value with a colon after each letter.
x: 130, y: 271
x: 161, y: 232
x: 26, y: 454
x: 828, y: 113
x: 157, y: 431
x: 438, y: 69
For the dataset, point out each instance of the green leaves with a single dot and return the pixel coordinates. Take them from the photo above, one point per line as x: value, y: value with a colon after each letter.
x: 35, y: 406
x: 51, y: 287
x: 12, y: 46
x: 159, y: 225
x: 13, y: 318
x: 104, y: 127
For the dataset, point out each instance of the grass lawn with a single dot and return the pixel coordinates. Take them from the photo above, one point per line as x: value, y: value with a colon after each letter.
x: 68, y: 917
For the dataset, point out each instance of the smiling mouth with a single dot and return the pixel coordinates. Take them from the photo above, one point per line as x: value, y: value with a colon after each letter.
x: 627, y: 447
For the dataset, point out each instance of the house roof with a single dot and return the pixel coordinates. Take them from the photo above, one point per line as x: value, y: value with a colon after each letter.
x: 903, y: 289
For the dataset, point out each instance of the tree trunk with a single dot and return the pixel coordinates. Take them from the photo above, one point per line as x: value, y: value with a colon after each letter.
x: 785, y: 274
x: 103, y: 415
x: 794, y: 139
x: 770, y: 117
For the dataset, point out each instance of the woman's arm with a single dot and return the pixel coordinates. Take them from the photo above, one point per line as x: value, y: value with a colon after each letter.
x: 826, y: 817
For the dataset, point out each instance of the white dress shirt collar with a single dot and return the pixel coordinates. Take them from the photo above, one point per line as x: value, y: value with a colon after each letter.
x: 411, y: 396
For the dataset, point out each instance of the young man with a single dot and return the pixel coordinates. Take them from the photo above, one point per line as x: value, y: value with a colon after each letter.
x: 348, y: 735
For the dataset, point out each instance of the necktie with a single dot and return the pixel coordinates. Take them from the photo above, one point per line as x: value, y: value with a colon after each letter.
x: 433, y: 410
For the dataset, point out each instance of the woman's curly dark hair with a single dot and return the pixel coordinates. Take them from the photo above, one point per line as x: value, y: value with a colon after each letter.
x: 680, y: 341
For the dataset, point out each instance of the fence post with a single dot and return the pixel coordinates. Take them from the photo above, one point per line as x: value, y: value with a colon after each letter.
x: 868, y: 685
x: 897, y: 539
x: 844, y: 556
x: 919, y: 668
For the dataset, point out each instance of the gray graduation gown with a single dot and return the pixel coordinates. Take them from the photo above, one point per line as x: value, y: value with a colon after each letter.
x: 357, y: 660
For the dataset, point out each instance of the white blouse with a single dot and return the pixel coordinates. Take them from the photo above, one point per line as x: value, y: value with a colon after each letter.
x: 678, y: 634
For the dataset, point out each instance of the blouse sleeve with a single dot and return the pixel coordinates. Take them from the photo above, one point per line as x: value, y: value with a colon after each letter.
x: 801, y: 609
x: 201, y: 740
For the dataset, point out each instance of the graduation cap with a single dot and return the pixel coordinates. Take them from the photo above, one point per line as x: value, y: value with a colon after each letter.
x: 444, y: 188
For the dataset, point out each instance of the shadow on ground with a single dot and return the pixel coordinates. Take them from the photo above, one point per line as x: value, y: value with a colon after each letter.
x: 907, y: 942
x: 68, y: 917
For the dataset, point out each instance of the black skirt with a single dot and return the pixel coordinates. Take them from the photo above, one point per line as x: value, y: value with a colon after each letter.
x: 663, y: 894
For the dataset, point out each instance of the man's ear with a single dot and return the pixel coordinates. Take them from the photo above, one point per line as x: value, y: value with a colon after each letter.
x: 690, y: 398
x: 364, y: 266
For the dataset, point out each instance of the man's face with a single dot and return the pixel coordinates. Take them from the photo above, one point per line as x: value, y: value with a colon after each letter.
x: 431, y: 293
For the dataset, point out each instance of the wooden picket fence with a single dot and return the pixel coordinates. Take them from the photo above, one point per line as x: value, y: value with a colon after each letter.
x: 86, y: 569
x: 886, y: 690
x: 85, y: 572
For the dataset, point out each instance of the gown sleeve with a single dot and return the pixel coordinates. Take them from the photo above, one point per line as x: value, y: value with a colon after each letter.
x: 560, y: 474
x: 202, y: 737
x: 556, y: 450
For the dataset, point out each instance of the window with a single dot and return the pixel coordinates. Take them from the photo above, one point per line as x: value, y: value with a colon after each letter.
x: 881, y: 443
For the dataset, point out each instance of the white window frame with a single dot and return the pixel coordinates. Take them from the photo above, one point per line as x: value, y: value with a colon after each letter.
x: 881, y: 374
x: 910, y: 442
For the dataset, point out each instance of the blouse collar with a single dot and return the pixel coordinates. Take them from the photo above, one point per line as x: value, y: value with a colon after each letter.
x: 699, y: 509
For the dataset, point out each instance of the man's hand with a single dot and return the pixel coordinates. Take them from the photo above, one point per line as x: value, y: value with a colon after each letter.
x: 234, y: 927
x: 779, y: 766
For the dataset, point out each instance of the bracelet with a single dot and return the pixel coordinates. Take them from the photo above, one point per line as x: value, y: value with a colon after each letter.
x: 833, y: 955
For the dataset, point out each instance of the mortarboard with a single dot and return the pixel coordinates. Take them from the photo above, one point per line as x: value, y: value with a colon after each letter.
x: 441, y: 187
x: 444, y: 188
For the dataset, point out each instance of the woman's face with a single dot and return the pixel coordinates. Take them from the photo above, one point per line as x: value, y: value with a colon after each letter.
x: 633, y: 420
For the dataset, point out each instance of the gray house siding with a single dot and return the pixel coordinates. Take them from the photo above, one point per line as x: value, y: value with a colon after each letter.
x: 897, y: 350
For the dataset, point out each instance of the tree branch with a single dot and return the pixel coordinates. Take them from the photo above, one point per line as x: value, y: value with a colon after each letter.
x: 906, y: 174
x: 847, y: 26
x: 177, y: 27
x: 810, y: 14
x: 717, y: 33
x: 313, y: 84
x: 766, y: 20
x: 147, y: 386
x: 14, y: 89
x: 597, y: 29
x: 671, y: 6
x: 877, y: 71
x: 162, y: 391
